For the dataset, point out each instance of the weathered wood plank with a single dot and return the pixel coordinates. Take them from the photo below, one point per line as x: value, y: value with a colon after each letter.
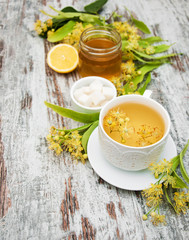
x: 52, y: 197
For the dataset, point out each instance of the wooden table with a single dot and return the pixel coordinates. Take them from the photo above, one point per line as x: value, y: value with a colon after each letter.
x: 47, y: 197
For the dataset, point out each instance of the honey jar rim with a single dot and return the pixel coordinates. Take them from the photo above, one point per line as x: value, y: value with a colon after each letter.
x: 104, y: 30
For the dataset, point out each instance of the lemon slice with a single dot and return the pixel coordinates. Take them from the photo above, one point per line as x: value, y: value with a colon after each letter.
x: 63, y: 58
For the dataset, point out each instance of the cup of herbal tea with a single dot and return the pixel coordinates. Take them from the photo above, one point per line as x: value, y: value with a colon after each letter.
x: 133, y: 131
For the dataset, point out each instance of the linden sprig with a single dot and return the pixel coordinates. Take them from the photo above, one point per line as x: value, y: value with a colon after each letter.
x: 168, y: 181
x: 73, y: 140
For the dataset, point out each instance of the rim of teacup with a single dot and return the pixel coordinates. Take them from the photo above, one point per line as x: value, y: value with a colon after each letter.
x: 112, y: 104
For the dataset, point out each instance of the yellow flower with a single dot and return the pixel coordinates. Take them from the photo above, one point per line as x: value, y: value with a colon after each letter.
x: 150, y: 50
x: 39, y: 30
x: 153, y: 195
x: 117, y: 114
x: 44, y: 27
x: 49, y: 138
x: 74, y: 37
x: 49, y: 23
x: 108, y: 121
x: 128, y: 67
x: 168, y: 179
x: 37, y: 24
x: 181, y: 201
x: 163, y: 166
x: 157, y: 219
x: 144, y: 217
x: 53, y: 130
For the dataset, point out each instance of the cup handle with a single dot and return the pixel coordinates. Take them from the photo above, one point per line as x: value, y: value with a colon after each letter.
x: 147, y: 93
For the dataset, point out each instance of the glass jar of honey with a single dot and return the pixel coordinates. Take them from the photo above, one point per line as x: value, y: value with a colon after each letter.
x: 100, y: 52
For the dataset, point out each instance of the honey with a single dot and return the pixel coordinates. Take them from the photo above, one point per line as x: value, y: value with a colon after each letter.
x: 100, y: 53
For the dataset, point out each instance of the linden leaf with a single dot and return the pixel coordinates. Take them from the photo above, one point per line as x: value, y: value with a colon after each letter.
x: 144, y: 70
x: 95, y: 6
x: 176, y: 160
x: 140, y: 25
x: 168, y: 199
x: 80, y: 129
x: 142, y: 89
x: 69, y: 9
x: 143, y: 55
x: 179, y: 182
x: 77, y: 116
x: 152, y: 40
x: 87, y: 134
x: 162, y: 48
x: 61, y: 32
x: 182, y: 168
x: 151, y: 62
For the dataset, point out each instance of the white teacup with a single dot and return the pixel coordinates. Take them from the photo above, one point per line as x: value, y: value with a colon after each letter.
x: 127, y: 157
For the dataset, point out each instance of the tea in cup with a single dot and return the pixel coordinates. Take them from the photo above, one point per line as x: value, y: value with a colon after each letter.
x: 133, y: 130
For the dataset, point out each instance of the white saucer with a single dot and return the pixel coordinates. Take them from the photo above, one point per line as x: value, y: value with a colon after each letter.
x: 130, y: 180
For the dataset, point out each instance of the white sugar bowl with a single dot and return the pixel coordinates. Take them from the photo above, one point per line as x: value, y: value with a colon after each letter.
x: 90, y: 94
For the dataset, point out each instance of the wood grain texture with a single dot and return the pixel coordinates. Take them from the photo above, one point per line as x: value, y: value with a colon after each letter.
x: 52, y: 197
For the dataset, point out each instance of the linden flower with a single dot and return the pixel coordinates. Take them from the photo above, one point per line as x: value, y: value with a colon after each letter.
x: 73, y: 145
x: 53, y: 130
x: 117, y: 81
x: 125, y: 132
x: 163, y: 166
x: 74, y: 37
x: 117, y: 114
x: 37, y: 24
x: 150, y: 50
x: 49, y: 23
x: 109, y: 121
x: 56, y: 147
x: 44, y: 27
x: 128, y: 67
x: 181, y: 201
x: 168, y: 179
x: 157, y: 219
x: 153, y: 194
x: 128, y: 56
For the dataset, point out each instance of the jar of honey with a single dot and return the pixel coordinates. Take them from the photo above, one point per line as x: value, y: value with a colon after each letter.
x: 100, y: 52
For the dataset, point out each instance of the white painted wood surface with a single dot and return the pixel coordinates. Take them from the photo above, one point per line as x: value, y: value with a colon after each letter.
x: 47, y: 197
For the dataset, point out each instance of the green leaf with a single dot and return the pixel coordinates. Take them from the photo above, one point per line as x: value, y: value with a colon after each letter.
x: 142, y: 89
x: 145, y: 69
x: 62, y: 32
x: 95, y: 6
x: 152, y: 40
x: 69, y: 9
x: 168, y: 199
x: 65, y: 16
x: 182, y: 168
x: 179, y: 182
x: 124, y: 44
x: 140, y: 25
x: 87, y: 134
x: 152, y: 57
x: 151, y: 62
x: 162, y: 48
x: 80, y: 129
x: 77, y: 116
x: 176, y: 161
x: 143, y: 44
